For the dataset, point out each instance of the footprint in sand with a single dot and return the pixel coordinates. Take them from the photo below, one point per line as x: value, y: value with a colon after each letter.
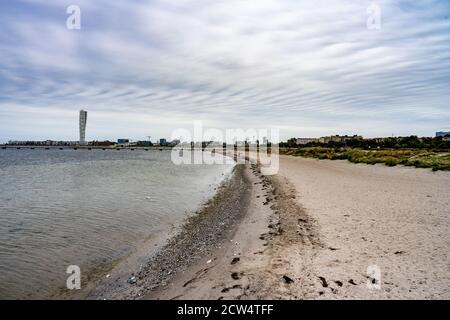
x: 237, y: 275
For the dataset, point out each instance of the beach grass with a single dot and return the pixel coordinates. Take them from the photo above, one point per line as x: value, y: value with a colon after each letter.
x: 420, y: 158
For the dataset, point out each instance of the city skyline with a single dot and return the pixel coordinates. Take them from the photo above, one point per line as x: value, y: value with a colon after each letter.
x: 308, y: 69
x: 82, y: 126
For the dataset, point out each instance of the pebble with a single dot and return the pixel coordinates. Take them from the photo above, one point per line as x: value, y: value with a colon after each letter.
x: 132, y: 279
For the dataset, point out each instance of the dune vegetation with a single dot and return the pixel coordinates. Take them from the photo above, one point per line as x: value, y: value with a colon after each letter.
x: 420, y: 158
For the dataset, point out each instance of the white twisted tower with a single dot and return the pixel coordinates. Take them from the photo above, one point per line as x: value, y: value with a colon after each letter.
x: 83, y: 120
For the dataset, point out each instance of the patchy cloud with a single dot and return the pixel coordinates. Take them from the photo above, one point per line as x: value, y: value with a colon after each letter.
x: 143, y: 68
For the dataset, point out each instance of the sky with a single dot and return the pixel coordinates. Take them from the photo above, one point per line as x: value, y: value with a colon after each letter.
x: 147, y: 68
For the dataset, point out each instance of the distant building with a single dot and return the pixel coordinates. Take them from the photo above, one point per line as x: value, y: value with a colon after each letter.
x: 145, y: 143
x: 338, y: 138
x: 442, y: 133
x: 83, y: 120
x: 101, y: 143
x: 46, y: 143
x: 123, y: 142
x: 306, y: 140
x: 162, y: 142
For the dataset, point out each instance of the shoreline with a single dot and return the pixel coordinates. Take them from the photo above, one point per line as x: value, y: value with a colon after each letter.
x: 109, y: 280
x: 312, y: 230
x: 308, y: 232
x: 253, y: 261
x: 197, y: 236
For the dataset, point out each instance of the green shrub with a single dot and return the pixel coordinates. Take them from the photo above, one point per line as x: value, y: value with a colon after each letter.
x: 421, y: 158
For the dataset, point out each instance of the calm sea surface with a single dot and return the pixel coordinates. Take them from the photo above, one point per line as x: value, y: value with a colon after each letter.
x: 87, y: 208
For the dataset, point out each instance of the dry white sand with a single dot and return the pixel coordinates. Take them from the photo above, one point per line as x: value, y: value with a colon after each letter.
x: 396, y: 218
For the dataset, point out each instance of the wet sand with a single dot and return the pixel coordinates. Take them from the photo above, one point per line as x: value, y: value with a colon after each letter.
x: 228, y: 271
x: 311, y: 231
x: 201, y: 236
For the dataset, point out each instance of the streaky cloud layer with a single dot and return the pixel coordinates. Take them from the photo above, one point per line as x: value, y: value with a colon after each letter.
x: 141, y: 68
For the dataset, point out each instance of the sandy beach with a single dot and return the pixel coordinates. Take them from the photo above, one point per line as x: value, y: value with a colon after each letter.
x: 309, y: 232
x: 312, y: 231
x: 397, y: 218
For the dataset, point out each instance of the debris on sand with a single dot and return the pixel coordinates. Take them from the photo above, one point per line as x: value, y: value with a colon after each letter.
x: 324, y: 282
x: 287, y: 279
x: 132, y: 279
